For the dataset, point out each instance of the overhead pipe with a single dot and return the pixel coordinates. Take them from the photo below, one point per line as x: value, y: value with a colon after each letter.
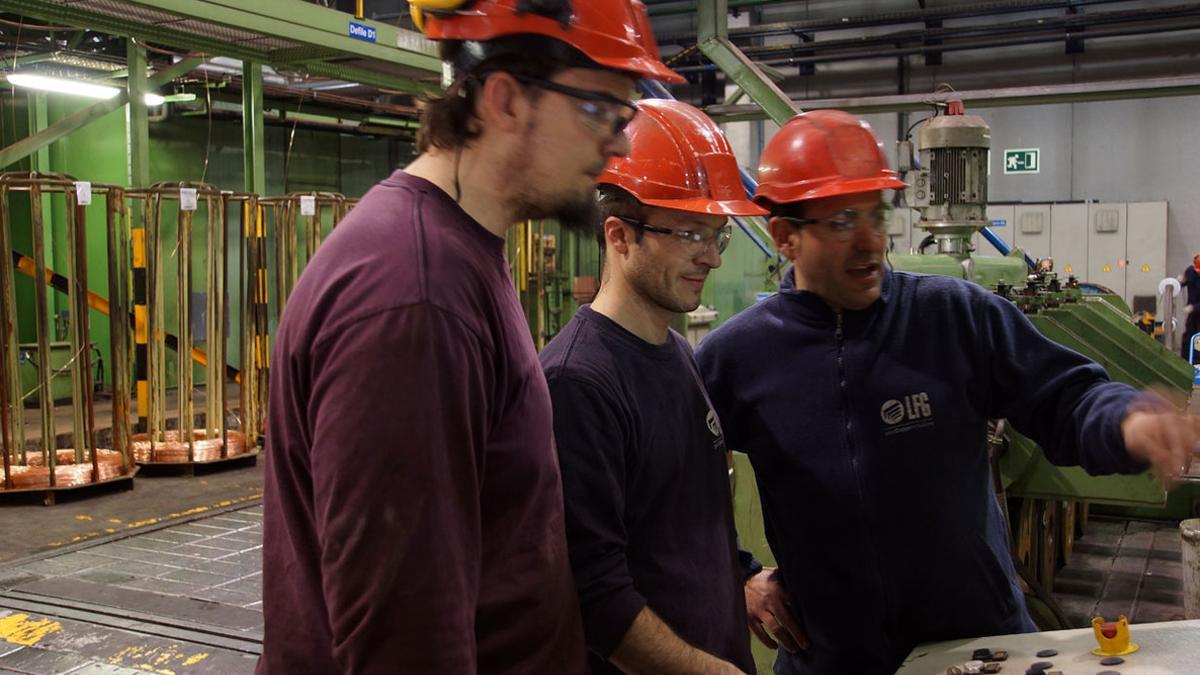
x: 1079, y: 23
x: 961, y: 11
x: 986, y: 44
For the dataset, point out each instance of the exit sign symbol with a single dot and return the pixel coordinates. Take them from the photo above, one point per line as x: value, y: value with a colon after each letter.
x: 1022, y: 160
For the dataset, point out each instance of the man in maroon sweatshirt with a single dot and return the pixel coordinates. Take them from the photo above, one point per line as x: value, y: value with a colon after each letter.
x: 413, y: 516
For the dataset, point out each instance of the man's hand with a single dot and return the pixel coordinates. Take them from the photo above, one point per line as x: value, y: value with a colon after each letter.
x: 769, y: 614
x: 1156, y: 432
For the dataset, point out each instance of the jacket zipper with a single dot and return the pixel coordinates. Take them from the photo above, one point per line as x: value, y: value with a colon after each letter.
x: 839, y: 337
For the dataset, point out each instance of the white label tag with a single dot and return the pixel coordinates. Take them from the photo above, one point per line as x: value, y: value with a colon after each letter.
x: 83, y: 192
x: 308, y: 205
x: 187, y: 199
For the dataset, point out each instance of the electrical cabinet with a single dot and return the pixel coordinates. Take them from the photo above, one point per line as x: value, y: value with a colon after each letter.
x: 1030, y: 229
x: 1069, y: 239
x: 1121, y: 246
x: 1106, y: 246
x: 1145, y: 253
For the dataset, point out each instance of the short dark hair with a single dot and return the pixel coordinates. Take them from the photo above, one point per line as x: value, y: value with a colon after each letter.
x: 448, y: 119
x: 613, y: 201
x: 788, y: 210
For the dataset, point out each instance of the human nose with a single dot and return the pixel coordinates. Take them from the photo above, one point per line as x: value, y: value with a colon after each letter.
x: 710, y: 254
x: 617, y: 145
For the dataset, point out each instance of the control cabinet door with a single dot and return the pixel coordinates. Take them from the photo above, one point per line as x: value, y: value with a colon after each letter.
x: 1107, y: 230
x: 1069, y: 240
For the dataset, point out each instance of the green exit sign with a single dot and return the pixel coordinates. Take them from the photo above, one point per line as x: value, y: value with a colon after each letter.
x: 1023, y: 160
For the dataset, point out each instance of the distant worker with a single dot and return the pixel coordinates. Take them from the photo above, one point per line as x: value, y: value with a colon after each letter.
x: 413, y: 516
x: 862, y: 398
x: 1191, y: 282
x: 645, y: 481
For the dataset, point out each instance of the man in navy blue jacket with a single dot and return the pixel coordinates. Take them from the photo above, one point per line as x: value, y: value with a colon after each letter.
x: 1191, y: 283
x: 648, y: 513
x: 862, y: 398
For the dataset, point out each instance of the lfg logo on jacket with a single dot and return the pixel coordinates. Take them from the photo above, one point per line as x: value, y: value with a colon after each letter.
x: 911, y: 412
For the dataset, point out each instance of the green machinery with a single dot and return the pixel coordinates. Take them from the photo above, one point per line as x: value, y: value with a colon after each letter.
x: 1048, y: 503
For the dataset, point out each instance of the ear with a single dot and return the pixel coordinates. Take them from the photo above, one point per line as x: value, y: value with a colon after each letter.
x: 501, y: 103
x: 785, y: 235
x: 618, y: 236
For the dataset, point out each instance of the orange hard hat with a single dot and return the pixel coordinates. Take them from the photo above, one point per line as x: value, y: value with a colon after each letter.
x: 679, y: 159
x: 614, y: 34
x: 823, y: 153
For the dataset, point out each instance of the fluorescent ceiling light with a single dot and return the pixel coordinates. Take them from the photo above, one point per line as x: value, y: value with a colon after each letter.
x: 63, y: 85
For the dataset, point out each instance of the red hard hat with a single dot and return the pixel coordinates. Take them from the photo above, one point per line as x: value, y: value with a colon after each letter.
x: 679, y: 159
x: 823, y: 153
x: 613, y: 33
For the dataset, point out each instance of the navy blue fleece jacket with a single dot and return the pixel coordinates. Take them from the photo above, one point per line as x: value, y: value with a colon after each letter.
x: 867, y: 433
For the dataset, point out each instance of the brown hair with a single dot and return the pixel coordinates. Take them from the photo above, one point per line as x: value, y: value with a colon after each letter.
x: 448, y: 119
x: 613, y: 201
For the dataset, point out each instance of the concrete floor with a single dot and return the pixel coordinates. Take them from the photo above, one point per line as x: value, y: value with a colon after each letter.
x: 166, y: 578
x: 104, y: 511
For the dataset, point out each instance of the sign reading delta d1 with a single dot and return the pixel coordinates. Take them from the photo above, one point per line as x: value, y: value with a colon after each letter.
x: 1023, y: 160
x: 362, y: 31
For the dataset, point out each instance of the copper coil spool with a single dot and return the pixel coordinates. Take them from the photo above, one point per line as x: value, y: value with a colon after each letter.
x: 35, y: 474
x: 174, y: 449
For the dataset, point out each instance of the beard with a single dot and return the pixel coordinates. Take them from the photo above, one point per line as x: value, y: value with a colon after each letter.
x: 577, y: 212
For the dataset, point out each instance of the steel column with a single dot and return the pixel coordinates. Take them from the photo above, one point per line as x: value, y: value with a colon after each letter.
x: 253, y: 153
x: 137, y: 125
x: 713, y: 38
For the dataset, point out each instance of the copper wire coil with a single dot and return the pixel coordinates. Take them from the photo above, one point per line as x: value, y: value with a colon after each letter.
x: 67, y: 473
x: 171, y: 448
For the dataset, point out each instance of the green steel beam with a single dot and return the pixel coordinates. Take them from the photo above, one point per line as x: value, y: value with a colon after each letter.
x: 308, y: 24
x: 72, y: 123
x: 317, y: 30
x: 302, y: 55
x: 713, y: 38
x: 48, y: 10
x: 370, y: 77
x: 137, y: 124
x: 253, y: 153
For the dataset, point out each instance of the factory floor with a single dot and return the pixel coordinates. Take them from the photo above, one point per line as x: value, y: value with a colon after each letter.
x: 166, y: 577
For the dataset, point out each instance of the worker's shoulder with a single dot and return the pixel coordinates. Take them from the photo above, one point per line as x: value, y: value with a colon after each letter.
x: 579, y: 353
x: 393, y: 254
x: 937, y: 289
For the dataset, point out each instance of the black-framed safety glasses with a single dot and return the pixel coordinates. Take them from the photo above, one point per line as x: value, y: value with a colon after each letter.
x: 605, y: 113
x: 697, y: 241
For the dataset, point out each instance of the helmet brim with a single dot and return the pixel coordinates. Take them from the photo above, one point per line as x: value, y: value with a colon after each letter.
x: 709, y: 207
x: 792, y: 192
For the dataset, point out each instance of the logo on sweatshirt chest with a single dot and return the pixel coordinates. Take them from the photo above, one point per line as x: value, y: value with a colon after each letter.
x: 906, y: 414
x: 714, y: 427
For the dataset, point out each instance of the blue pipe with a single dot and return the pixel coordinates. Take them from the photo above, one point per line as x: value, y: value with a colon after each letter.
x: 656, y: 89
x: 1003, y: 247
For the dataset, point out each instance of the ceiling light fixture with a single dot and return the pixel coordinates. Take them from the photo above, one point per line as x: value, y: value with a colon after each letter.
x: 62, y: 85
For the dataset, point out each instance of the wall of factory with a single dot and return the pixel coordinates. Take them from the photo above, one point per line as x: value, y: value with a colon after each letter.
x: 1131, y: 150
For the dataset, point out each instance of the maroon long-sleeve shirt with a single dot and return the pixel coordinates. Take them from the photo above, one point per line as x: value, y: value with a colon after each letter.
x: 413, y: 517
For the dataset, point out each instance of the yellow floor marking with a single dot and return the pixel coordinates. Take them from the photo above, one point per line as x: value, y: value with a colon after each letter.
x: 115, y: 521
x: 156, y: 659
x: 23, y: 630
x: 153, y: 521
